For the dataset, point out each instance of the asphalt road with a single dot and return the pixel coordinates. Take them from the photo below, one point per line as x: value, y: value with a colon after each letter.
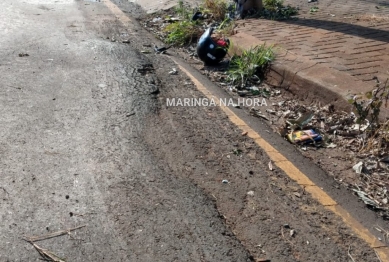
x: 71, y: 114
x: 86, y: 139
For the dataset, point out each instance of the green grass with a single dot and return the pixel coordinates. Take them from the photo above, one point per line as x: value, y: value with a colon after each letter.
x: 182, y: 33
x: 275, y: 10
x: 252, y: 63
x: 183, y: 11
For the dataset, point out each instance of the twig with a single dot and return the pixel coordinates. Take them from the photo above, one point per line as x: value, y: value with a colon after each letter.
x: 55, y: 234
x: 378, y: 257
x: 348, y: 252
x: 47, y: 254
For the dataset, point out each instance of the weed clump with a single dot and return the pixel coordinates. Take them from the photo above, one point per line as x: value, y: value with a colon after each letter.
x: 218, y: 8
x: 368, y: 109
x: 182, y: 33
x: 275, y: 10
x: 252, y: 64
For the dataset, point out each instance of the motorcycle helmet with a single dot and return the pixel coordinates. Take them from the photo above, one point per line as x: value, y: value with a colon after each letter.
x: 210, y: 51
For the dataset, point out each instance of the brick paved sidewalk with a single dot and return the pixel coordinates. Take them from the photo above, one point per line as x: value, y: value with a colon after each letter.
x: 344, y: 46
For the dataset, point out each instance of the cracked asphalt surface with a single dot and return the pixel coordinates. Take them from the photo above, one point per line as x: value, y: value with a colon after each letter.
x: 86, y: 139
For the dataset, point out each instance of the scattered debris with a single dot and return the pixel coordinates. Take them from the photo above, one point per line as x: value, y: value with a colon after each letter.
x: 225, y: 181
x: 257, y: 113
x: 332, y: 145
x: 297, y: 194
x: 46, y: 254
x: 364, y: 197
x: 348, y: 252
x: 304, y: 137
x: 173, y: 72
x: 301, y: 121
x: 161, y: 50
x: 23, y: 55
x: 291, y: 233
x: 250, y: 193
x: 52, y: 235
x: 358, y: 168
x: 270, y: 166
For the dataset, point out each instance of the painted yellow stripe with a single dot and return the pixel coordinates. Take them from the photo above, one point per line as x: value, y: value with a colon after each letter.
x: 283, y: 163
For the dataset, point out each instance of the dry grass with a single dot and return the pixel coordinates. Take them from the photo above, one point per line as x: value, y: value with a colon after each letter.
x: 228, y: 29
x: 218, y: 8
x: 378, y: 142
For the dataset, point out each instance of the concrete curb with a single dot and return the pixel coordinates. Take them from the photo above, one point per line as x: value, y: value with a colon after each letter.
x: 308, y: 80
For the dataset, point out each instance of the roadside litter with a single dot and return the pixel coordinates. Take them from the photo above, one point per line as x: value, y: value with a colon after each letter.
x: 304, y: 137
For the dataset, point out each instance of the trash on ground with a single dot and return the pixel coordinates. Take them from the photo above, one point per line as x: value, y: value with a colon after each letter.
x: 173, y: 72
x: 358, y: 168
x: 250, y: 193
x: 161, y: 50
x: 23, y: 54
x: 362, y: 195
x: 270, y: 166
x: 304, y: 137
x: 257, y: 113
x: 225, y: 181
x: 302, y: 120
x: 332, y: 145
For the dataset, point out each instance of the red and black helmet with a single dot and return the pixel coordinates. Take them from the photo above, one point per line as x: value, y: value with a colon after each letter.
x: 209, y: 51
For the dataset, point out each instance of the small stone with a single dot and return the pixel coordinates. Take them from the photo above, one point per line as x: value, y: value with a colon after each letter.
x: 250, y: 193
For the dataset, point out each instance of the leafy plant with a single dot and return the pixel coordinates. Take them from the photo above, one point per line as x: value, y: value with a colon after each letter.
x: 181, y: 33
x: 370, y: 109
x: 273, y: 4
x: 314, y: 9
x: 275, y: 9
x: 227, y: 27
x: 183, y: 11
x: 252, y: 63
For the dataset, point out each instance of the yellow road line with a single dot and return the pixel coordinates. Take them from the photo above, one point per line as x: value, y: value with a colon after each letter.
x: 282, y: 162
